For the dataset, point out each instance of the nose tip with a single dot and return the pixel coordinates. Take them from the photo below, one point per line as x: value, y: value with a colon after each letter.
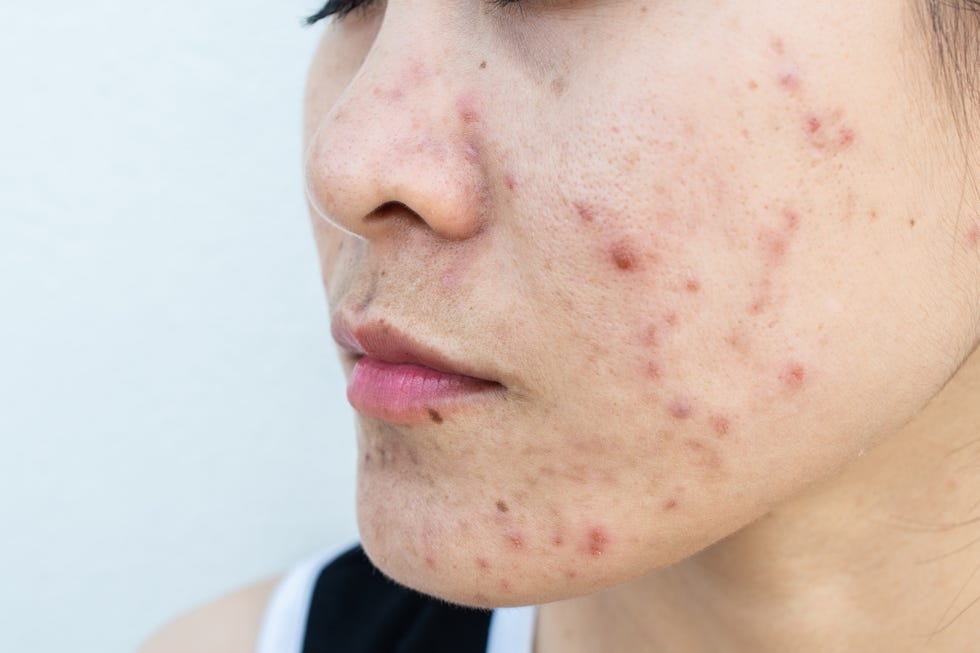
x: 392, y: 152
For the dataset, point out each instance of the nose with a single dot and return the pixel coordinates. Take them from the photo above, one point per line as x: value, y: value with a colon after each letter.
x: 402, y: 144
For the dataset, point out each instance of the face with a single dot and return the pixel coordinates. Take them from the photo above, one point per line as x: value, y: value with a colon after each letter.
x: 700, y: 254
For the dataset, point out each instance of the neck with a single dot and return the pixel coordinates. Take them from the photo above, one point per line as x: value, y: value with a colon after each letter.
x: 885, y: 556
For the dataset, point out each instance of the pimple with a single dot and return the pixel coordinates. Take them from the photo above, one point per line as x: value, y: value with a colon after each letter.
x: 430, y: 562
x: 598, y: 540
x: 669, y: 504
x: 624, y: 257
x: 793, y: 375
x: 681, y: 408
x: 502, y: 507
x: 813, y: 124
x: 435, y: 416
x: 515, y: 541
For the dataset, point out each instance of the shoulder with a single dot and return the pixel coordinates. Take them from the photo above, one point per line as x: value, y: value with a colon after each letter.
x: 229, y: 624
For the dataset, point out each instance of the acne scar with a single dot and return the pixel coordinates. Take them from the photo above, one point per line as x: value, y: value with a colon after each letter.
x: 435, y: 416
x: 466, y: 107
x: 502, y: 507
x: 721, y: 425
x: 584, y: 211
x: 624, y: 257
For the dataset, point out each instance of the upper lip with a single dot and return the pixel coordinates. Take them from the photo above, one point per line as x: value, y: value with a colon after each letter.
x: 381, y: 340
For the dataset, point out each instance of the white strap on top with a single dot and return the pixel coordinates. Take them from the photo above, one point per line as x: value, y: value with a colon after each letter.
x: 283, y: 625
x: 512, y: 630
x: 284, y: 621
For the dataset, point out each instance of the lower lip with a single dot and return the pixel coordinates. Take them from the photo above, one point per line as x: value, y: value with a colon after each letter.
x: 407, y: 393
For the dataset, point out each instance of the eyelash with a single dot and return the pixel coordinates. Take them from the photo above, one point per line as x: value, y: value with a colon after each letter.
x: 341, y: 8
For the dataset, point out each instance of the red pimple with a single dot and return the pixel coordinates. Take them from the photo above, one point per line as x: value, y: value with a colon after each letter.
x: 813, y: 124
x: 597, y: 542
x: 681, y: 408
x: 793, y: 375
x: 430, y: 562
x: 516, y: 541
x: 624, y: 257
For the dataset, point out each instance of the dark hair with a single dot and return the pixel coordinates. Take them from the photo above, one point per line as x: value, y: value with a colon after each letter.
x: 955, y: 26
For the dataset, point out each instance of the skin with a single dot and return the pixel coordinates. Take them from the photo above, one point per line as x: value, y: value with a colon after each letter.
x: 721, y: 260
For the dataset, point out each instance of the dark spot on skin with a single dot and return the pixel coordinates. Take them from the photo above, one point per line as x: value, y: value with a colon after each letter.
x: 793, y: 376
x: 483, y: 64
x: 569, y: 573
x: 483, y: 564
x: 384, y: 272
x: 584, y: 211
x: 624, y: 257
x: 597, y: 542
x: 872, y: 215
x: 720, y: 425
x: 502, y: 507
x: 692, y: 286
x: 681, y: 408
x: 435, y: 416
x: 912, y: 223
x: 669, y: 504
x: 813, y: 124
x: 753, y: 84
x: 559, y: 85
x: 557, y: 540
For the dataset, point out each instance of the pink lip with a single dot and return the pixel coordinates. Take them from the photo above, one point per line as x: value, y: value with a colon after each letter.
x: 400, y: 381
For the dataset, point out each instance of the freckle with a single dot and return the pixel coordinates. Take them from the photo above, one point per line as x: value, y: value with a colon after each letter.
x: 502, y: 507
x: 624, y: 257
x: 912, y: 223
x: 692, y: 286
x: 721, y: 425
x: 483, y: 64
x: 435, y: 416
x: 584, y: 211
x: 793, y: 376
x: 669, y: 504
x: 483, y: 563
x: 681, y: 408
x: 597, y: 542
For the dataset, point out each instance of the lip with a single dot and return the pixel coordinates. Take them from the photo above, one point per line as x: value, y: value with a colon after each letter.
x: 400, y: 380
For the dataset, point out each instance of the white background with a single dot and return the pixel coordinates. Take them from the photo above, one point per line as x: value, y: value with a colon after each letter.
x: 172, y: 420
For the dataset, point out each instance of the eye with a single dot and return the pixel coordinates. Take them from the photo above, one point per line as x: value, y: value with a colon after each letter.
x: 341, y: 8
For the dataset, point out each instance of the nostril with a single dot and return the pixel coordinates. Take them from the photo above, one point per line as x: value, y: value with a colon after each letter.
x: 393, y: 211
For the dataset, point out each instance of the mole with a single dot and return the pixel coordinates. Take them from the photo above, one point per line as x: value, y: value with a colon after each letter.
x: 502, y: 507
x: 435, y: 416
x: 624, y: 257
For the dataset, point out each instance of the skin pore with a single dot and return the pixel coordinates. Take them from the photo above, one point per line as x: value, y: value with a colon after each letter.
x: 723, y: 259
